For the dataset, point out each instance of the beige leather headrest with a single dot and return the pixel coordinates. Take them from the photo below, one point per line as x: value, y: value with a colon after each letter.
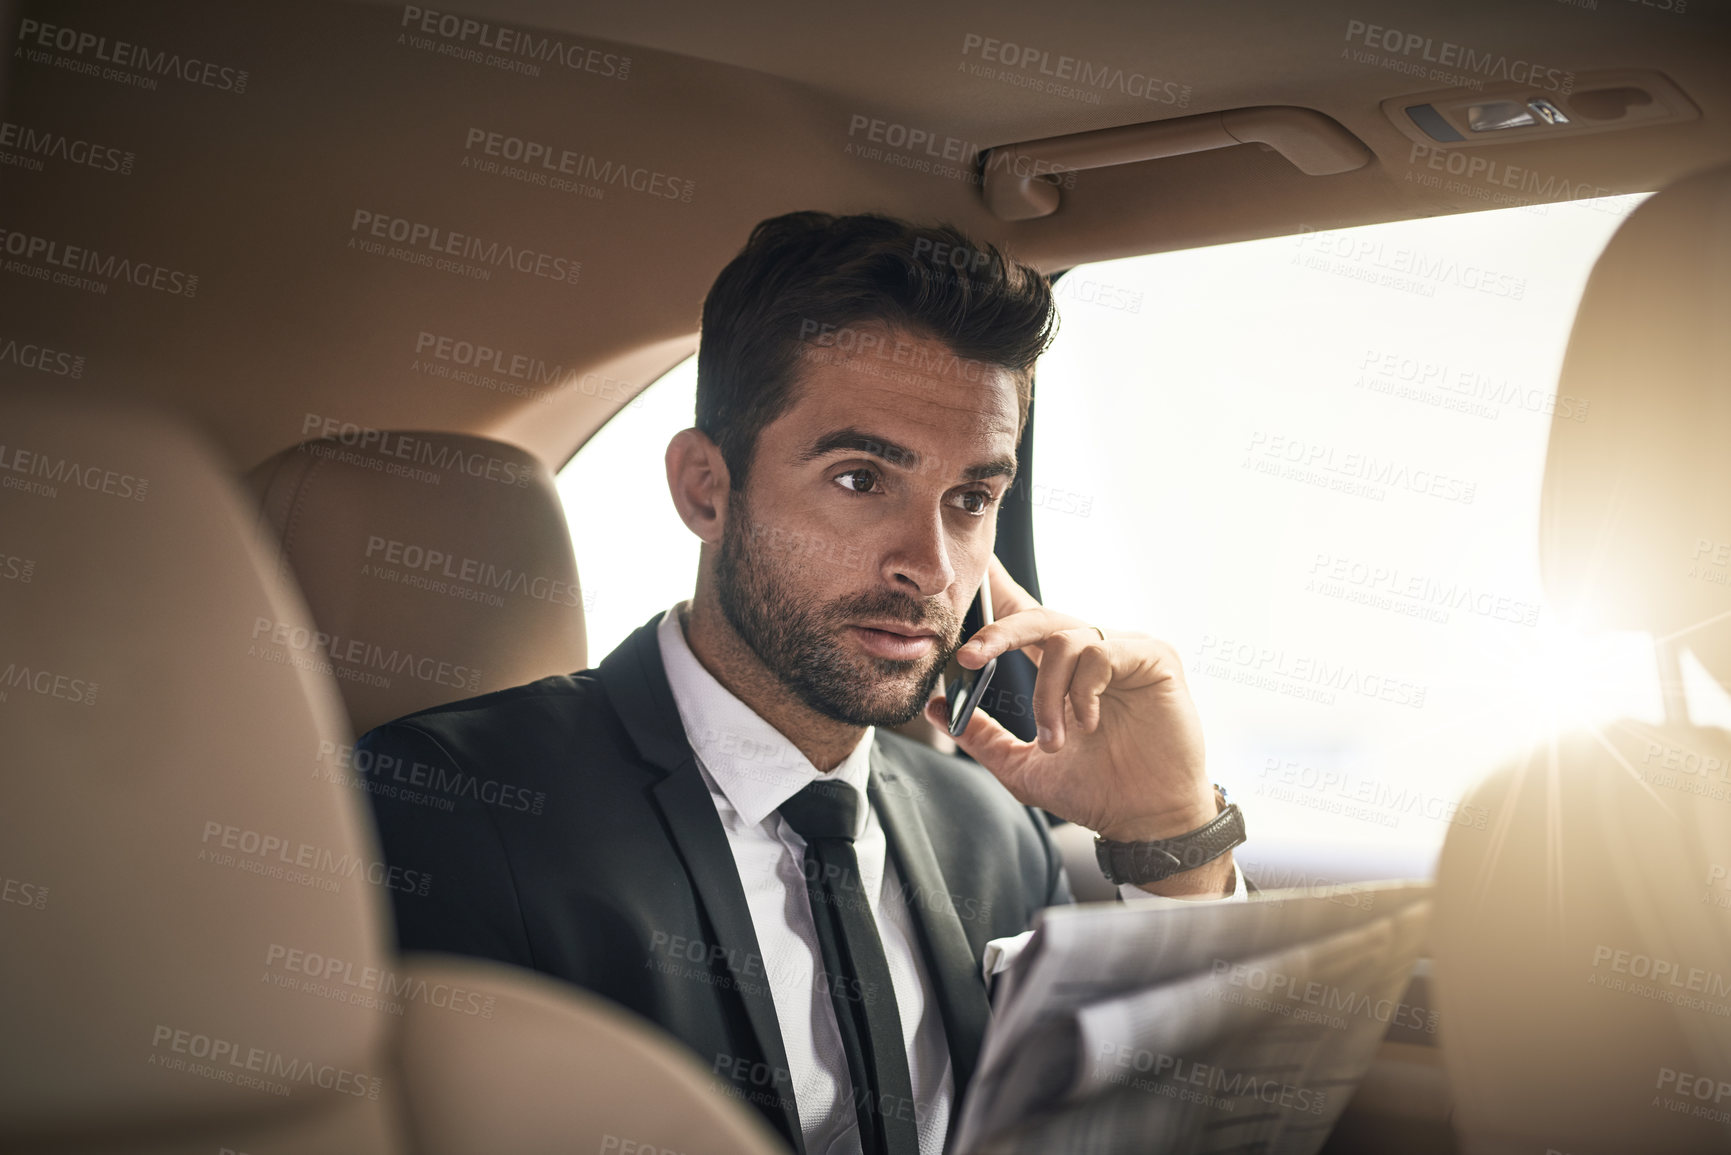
x: 438, y: 566
x: 166, y: 837
x: 1636, y: 524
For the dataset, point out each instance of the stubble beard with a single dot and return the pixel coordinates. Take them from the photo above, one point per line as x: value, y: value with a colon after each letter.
x: 799, y: 639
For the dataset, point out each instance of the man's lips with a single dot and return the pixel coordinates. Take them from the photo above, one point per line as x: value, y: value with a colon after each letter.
x: 894, y: 640
x: 905, y: 631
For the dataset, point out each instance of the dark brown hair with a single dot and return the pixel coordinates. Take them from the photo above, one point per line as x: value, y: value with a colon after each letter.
x: 804, y: 277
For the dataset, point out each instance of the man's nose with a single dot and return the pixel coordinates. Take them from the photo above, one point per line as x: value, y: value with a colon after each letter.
x: 921, y: 558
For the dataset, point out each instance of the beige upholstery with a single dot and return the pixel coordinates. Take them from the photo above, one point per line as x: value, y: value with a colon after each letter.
x: 194, y: 945
x: 1548, y: 927
x: 1582, y: 941
x: 560, y: 1071
x: 437, y: 565
x: 1634, y: 494
x: 148, y: 736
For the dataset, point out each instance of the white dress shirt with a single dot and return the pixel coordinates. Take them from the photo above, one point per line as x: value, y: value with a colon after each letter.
x: 751, y: 769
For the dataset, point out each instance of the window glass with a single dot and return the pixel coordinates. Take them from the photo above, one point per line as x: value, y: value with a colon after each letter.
x: 1312, y: 463
x: 635, y: 557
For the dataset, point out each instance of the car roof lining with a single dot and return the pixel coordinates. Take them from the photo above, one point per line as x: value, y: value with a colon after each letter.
x: 753, y: 106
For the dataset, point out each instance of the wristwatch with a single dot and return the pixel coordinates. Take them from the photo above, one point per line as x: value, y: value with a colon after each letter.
x: 1139, y: 862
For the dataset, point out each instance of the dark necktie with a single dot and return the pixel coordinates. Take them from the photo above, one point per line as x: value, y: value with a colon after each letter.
x: 825, y: 814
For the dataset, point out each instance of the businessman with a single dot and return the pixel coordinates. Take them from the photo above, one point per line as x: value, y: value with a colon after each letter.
x: 732, y: 844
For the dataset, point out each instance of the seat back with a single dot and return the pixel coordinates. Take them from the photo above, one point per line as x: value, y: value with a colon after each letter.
x: 1582, y: 940
x: 437, y: 566
x: 166, y: 839
x: 194, y: 945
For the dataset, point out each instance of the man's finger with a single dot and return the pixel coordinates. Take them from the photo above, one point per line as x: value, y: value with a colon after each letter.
x: 985, y: 741
x: 1063, y: 650
x: 1093, y: 674
x: 1025, y: 631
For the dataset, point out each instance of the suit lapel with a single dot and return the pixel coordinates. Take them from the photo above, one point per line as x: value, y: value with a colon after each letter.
x: 955, y: 972
x: 637, y: 686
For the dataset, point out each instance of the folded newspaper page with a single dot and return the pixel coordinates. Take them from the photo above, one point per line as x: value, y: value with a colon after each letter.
x: 1214, y: 1027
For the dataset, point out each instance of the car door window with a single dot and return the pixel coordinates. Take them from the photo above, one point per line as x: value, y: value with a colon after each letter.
x: 1313, y: 464
x: 634, y: 556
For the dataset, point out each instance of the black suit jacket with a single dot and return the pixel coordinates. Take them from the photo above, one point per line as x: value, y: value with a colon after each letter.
x: 566, y: 828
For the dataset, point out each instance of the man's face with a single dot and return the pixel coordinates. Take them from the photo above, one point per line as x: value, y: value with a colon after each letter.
x: 867, y: 522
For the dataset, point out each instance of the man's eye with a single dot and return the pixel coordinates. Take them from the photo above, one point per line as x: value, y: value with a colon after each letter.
x: 858, y: 480
x: 976, y: 501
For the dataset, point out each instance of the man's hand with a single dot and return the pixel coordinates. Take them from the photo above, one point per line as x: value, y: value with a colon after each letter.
x: 1119, y: 749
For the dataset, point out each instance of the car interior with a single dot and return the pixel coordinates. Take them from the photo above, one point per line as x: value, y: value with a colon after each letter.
x: 316, y: 321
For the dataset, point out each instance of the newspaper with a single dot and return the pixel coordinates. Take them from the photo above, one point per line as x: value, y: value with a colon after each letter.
x: 1214, y: 1027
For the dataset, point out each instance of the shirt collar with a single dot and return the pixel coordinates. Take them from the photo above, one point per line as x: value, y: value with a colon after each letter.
x: 753, y: 763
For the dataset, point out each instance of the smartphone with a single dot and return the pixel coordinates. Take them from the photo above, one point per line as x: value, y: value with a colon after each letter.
x: 964, y: 687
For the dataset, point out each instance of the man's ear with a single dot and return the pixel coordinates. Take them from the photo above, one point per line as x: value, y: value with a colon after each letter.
x: 698, y: 480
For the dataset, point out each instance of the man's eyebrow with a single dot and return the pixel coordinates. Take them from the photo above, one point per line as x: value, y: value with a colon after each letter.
x: 897, y: 455
x: 859, y: 441
x: 997, y: 467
